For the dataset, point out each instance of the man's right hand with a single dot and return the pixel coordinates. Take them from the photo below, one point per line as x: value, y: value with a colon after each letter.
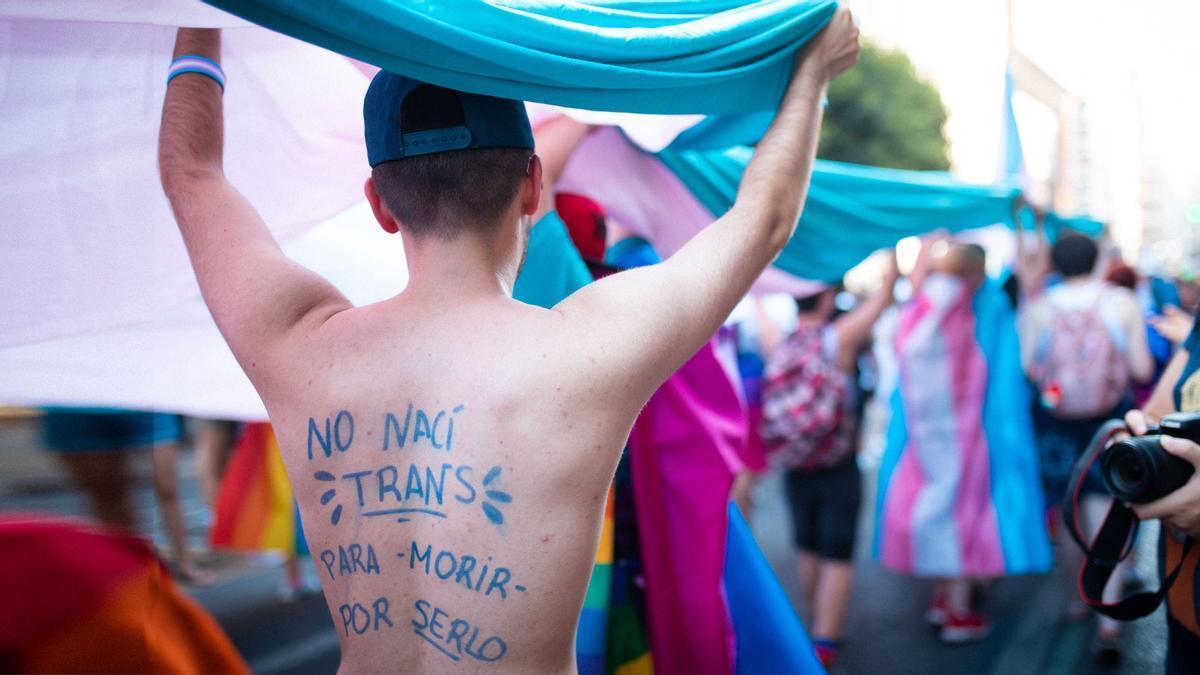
x: 836, y: 48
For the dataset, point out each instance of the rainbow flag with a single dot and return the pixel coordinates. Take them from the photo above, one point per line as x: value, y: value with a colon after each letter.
x: 592, y: 635
x: 256, y: 509
x: 84, y: 600
x: 628, y: 643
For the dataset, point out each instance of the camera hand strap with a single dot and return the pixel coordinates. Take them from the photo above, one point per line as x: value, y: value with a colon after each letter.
x: 1111, y: 544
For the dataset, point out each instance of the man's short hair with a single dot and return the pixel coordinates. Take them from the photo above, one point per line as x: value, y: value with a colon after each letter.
x: 1074, y: 255
x: 448, y: 193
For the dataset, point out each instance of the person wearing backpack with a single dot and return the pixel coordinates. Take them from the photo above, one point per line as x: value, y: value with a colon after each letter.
x: 810, y: 429
x: 1083, y: 345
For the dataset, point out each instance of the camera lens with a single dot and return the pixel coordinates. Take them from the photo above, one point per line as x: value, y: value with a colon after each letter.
x: 1138, y: 470
x: 1131, y: 470
x: 1128, y: 469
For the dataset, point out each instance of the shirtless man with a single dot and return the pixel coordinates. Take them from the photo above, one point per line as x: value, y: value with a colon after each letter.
x: 451, y: 448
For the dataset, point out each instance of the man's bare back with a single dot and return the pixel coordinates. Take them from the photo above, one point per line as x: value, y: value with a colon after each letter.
x: 450, y: 476
x: 451, y: 448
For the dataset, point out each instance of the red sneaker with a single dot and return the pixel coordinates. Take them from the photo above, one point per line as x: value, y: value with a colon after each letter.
x: 827, y: 652
x: 967, y: 627
x: 937, y: 612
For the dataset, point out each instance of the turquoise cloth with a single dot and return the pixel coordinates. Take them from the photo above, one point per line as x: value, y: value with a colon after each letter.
x: 1055, y: 224
x: 851, y: 211
x: 1008, y: 425
x: 553, y: 268
x: 671, y: 56
x: 631, y: 252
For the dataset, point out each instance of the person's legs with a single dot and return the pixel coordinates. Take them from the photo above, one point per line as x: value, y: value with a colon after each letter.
x: 962, y: 623
x: 957, y: 595
x: 935, y: 615
x: 214, y: 441
x: 804, y: 511
x: 832, y: 598
x: 808, y: 569
x: 104, y: 479
x: 839, y: 495
x: 166, y: 489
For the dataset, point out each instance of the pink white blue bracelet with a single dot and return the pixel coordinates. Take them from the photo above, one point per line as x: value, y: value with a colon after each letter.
x: 191, y: 63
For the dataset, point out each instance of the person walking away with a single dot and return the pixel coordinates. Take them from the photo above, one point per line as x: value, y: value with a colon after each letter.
x: 94, y: 446
x: 810, y: 429
x: 960, y: 425
x: 1083, y: 345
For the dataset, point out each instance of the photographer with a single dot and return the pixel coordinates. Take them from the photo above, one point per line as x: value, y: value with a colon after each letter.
x: 1178, y: 390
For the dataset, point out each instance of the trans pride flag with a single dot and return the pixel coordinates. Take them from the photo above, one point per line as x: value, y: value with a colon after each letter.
x: 959, y: 489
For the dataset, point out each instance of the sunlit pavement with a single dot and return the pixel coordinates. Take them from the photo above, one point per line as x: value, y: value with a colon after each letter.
x: 885, y: 630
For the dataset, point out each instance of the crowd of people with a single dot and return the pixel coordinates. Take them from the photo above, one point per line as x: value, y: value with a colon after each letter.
x: 1081, y: 342
x: 991, y: 390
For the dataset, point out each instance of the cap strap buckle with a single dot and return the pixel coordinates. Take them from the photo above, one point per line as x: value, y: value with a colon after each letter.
x: 435, y: 140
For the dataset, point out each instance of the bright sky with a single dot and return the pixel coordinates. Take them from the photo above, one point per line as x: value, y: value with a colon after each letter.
x: 1132, y: 65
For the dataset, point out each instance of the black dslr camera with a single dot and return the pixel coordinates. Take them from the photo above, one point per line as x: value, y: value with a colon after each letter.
x: 1138, y: 470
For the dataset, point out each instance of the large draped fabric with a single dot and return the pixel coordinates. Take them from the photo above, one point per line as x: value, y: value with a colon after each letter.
x: 686, y: 448
x: 677, y: 56
x: 851, y: 211
x: 102, y: 307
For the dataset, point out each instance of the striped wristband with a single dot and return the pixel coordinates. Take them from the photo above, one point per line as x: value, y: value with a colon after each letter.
x: 191, y: 63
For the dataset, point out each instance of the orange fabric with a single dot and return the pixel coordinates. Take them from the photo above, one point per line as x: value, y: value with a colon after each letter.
x: 248, y: 530
x: 146, y: 626
x: 243, y: 498
x: 1181, y: 599
x: 82, y: 600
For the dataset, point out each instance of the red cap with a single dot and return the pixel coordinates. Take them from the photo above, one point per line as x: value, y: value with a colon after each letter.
x: 586, y: 223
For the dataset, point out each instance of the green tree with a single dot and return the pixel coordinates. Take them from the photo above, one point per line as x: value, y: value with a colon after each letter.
x: 881, y: 114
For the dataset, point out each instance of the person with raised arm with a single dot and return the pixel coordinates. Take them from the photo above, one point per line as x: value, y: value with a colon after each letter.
x: 450, y: 447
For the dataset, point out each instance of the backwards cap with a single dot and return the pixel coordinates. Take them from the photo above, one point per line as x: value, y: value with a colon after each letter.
x: 398, y: 114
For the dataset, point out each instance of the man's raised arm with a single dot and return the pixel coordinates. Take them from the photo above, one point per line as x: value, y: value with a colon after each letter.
x: 256, y: 294
x: 647, y: 322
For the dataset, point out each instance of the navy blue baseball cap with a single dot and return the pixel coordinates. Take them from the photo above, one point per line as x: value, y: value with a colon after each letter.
x: 436, y: 119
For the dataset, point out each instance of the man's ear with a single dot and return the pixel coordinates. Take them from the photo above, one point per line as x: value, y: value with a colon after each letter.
x: 386, y: 221
x: 531, y: 187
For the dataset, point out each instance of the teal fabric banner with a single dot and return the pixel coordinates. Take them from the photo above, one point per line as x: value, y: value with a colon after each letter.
x: 553, y: 268
x: 1055, y: 224
x: 851, y: 211
x: 674, y: 56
